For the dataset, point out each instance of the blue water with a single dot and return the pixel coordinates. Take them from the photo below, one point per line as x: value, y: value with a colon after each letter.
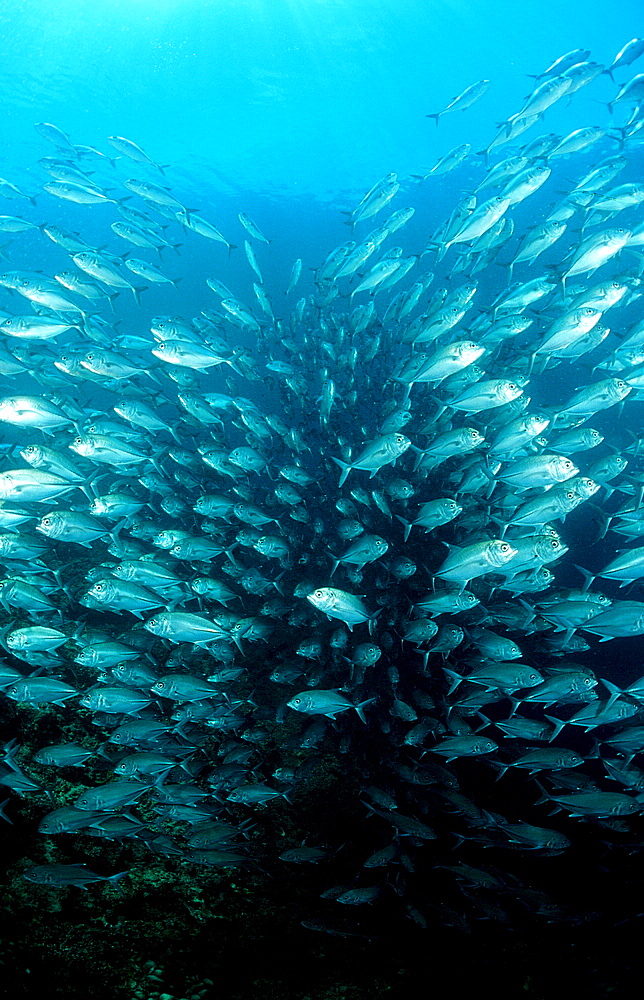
x: 293, y: 99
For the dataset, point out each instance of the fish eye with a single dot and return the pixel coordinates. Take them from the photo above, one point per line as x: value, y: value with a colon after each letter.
x: 296, y: 701
x: 570, y: 495
x: 504, y: 546
x: 98, y: 587
x: 46, y: 521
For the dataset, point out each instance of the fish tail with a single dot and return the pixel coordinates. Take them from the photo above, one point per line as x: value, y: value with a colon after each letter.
x: 3, y: 814
x: 346, y: 469
x: 136, y: 292
x: 614, y: 691
x: 558, y: 724
x: 115, y: 879
x: 588, y: 577
x: 359, y: 708
x: 406, y: 525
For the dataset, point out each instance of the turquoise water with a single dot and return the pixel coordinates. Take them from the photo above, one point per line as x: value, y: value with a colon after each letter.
x: 288, y: 110
x: 311, y: 99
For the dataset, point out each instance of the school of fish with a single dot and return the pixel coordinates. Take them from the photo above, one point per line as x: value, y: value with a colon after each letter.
x: 341, y: 529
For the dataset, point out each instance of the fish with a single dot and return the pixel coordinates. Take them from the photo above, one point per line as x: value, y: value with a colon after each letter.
x: 170, y: 628
x: 252, y: 228
x: 464, y: 100
x: 562, y: 63
x: 197, y: 224
x: 450, y: 161
x: 626, y: 55
x: 296, y: 272
x: 336, y: 603
x: 53, y: 134
x: 55, y: 876
x: 382, y: 451
x: 103, y: 270
x: 464, y: 565
x: 328, y: 703
x: 543, y: 96
x: 130, y: 149
x: 81, y: 194
x: 374, y: 200
x: 631, y: 92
